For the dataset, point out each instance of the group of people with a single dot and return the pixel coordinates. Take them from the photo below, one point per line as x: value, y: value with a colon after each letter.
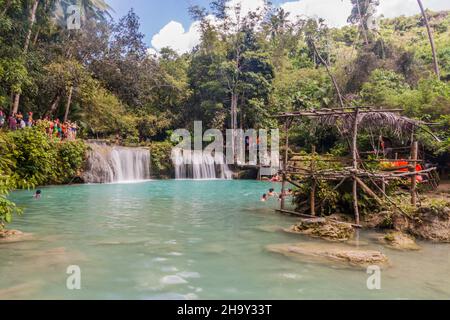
x: 66, y: 130
x: 16, y: 121
x: 273, y: 194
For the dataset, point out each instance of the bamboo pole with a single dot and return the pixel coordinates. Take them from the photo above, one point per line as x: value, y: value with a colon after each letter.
x: 313, y: 184
x: 355, y: 166
x: 369, y: 191
x: 414, y: 156
x: 285, y: 165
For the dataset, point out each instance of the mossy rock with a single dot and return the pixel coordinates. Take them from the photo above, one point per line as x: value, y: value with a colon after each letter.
x: 334, y: 254
x: 325, y: 229
x: 399, y: 241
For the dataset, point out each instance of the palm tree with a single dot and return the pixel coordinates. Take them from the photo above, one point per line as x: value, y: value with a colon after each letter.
x: 430, y: 36
x: 90, y: 9
x: 97, y: 9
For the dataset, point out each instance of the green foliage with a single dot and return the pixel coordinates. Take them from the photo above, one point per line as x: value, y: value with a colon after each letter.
x: 382, y: 86
x: 29, y: 158
x: 161, y: 159
x: 70, y: 160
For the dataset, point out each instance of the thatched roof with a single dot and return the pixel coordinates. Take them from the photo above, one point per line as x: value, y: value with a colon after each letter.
x: 399, y: 125
x: 369, y: 118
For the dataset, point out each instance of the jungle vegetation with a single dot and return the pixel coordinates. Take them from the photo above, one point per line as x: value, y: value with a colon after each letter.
x: 245, y: 70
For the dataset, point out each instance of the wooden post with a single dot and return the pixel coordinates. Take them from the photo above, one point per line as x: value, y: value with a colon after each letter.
x: 285, y: 165
x: 414, y: 156
x: 383, y: 187
x: 355, y: 166
x: 313, y: 183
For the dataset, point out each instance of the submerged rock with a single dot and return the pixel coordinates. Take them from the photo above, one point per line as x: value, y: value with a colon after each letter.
x: 13, y: 236
x: 270, y: 229
x: 325, y: 229
x: 328, y: 253
x: 399, y: 241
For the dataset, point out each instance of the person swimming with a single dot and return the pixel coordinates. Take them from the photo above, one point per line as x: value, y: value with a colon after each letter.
x: 38, y: 194
x: 276, y: 178
x: 272, y: 193
x: 264, y: 198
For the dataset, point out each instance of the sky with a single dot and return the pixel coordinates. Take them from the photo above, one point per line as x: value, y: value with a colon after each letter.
x: 166, y: 23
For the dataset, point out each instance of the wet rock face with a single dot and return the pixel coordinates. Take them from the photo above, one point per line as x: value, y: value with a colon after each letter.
x: 325, y: 229
x: 399, y: 241
x: 323, y: 253
x: 432, y: 225
x: 427, y: 223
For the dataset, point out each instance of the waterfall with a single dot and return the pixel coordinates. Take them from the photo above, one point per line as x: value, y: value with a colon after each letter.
x: 199, y: 165
x: 109, y: 164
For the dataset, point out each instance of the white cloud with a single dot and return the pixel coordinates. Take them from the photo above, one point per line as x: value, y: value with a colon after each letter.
x: 174, y: 35
x: 395, y: 8
x: 335, y: 13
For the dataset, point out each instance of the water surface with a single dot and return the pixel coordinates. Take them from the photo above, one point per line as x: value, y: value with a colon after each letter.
x: 187, y: 240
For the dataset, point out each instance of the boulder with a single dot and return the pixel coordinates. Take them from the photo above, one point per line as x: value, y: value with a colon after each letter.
x: 337, y: 255
x: 399, y: 241
x: 325, y: 229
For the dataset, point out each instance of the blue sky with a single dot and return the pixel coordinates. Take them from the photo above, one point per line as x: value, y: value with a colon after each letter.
x: 155, y: 14
x: 167, y: 22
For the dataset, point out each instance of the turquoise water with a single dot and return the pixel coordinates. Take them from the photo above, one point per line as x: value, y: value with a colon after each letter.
x: 187, y: 240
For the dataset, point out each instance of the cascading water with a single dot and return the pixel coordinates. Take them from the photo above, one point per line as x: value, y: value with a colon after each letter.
x: 109, y: 164
x: 199, y: 165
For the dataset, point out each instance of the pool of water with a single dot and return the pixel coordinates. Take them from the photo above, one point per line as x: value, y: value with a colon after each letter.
x: 187, y: 240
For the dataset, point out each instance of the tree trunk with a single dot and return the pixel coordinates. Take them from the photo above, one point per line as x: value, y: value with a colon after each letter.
x: 362, y: 25
x: 234, y: 105
x: 333, y: 79
x: 54, y: 105
x: 69, y: 101
x: 32, y: 20
x: 430, y: 36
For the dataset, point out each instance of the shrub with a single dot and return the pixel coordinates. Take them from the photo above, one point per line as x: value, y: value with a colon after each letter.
x: 161, y: 159
x: 29, y: 158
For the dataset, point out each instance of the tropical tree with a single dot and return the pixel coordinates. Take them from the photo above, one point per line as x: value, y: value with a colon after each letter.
x: 96, y: 9
x: 431, y: 38
x: 362, y: 13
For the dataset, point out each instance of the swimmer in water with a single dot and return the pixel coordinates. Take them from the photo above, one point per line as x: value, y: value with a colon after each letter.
x: 264, y: 198
x: 38, y: 194
x: 272, y: 193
